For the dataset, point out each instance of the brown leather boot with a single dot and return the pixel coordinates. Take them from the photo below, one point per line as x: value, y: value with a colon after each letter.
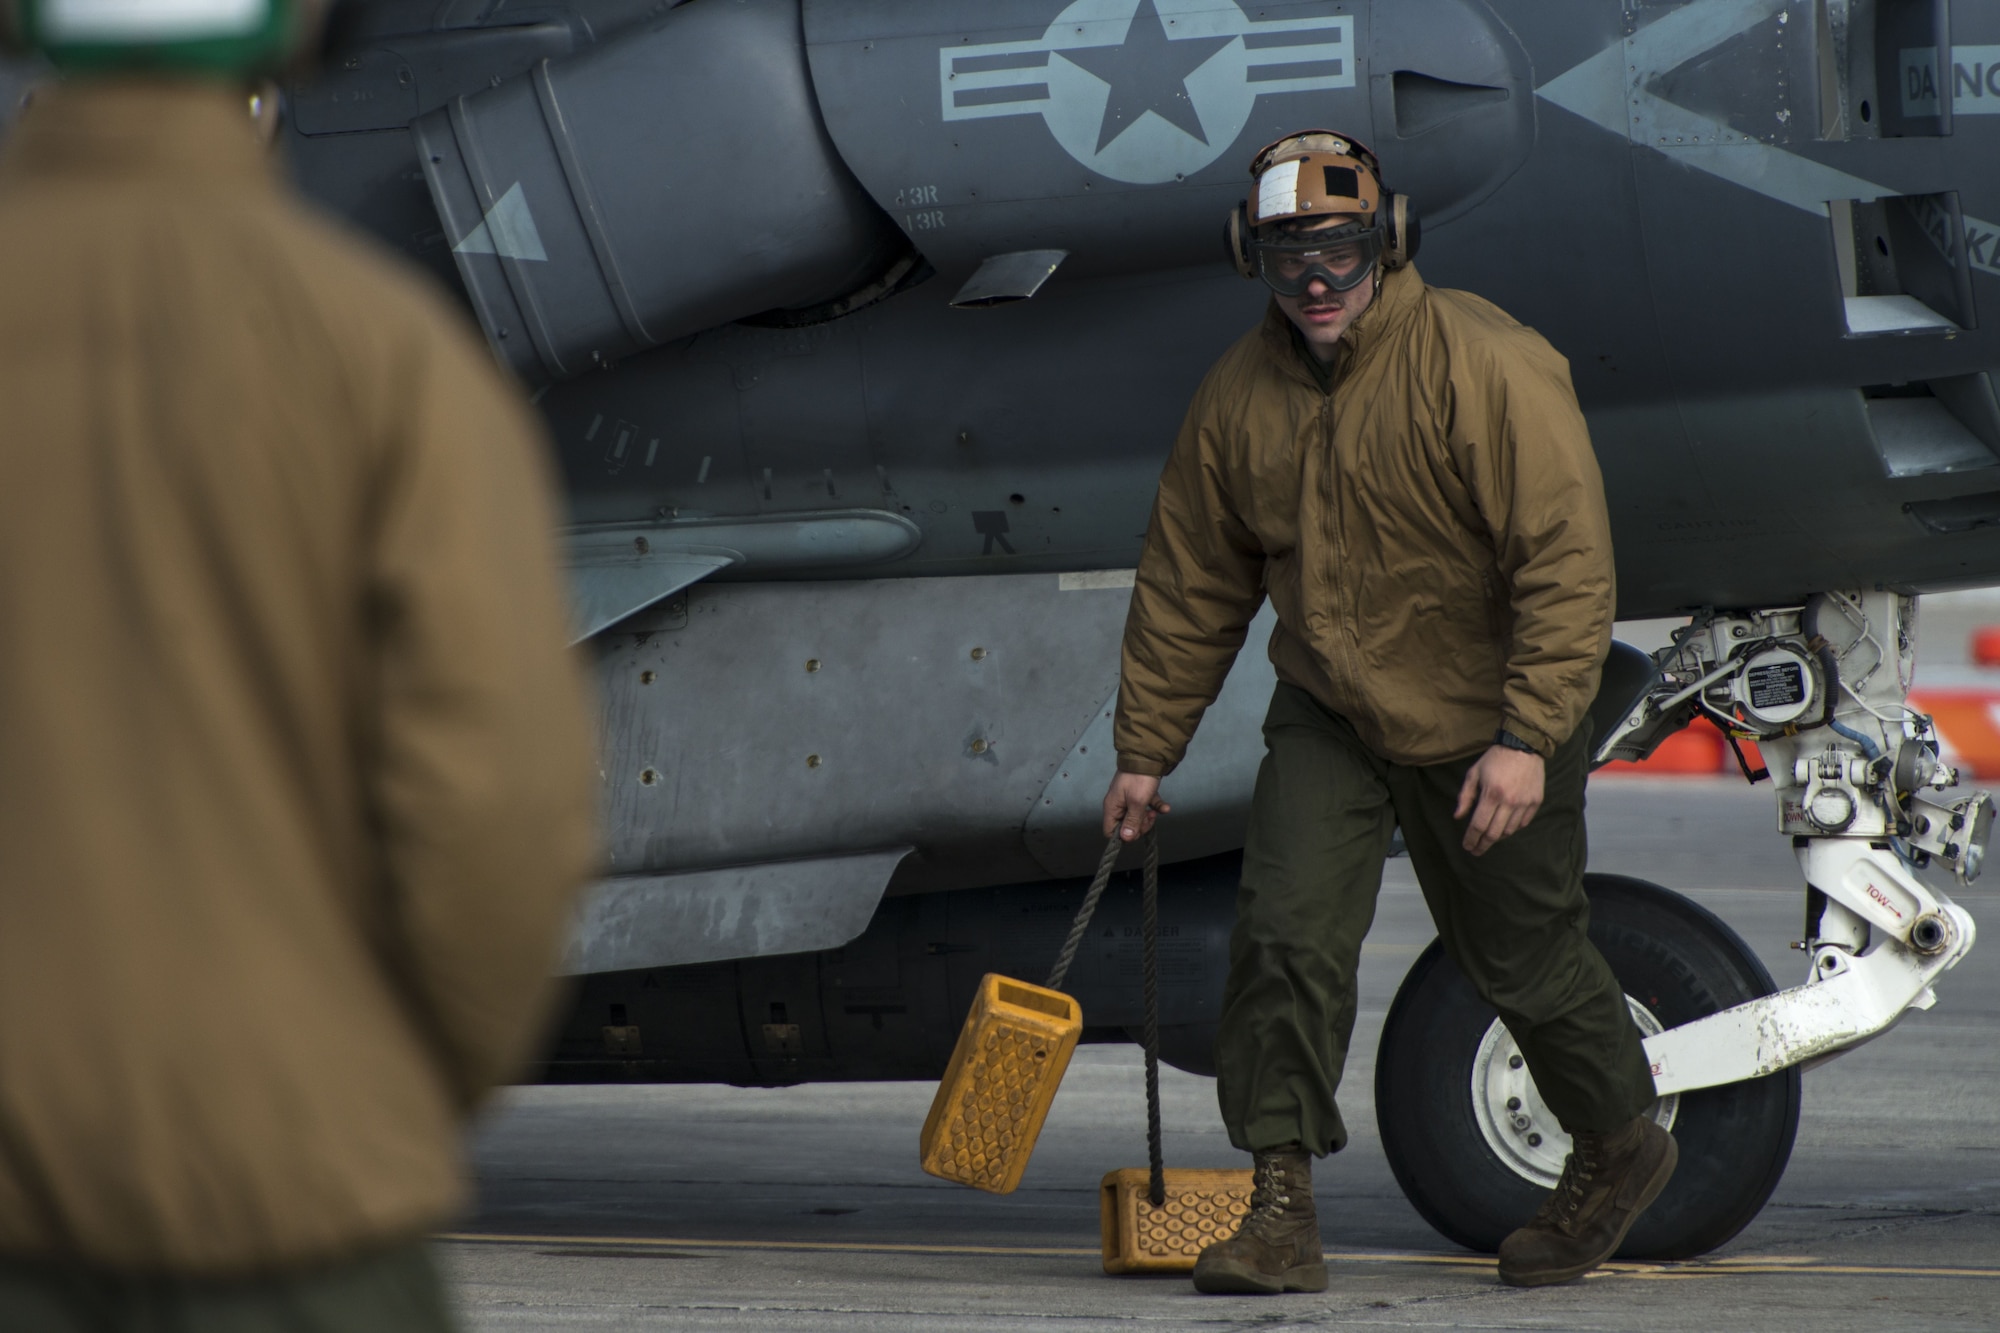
x: 1607, y: 1182
x: 1277, y: 1247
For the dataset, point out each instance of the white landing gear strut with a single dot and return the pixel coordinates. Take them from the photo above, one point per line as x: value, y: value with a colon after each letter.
x: 1822, y: 691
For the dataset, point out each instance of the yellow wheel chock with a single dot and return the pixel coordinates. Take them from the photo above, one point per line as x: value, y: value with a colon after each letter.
x: 1004, y: 1072
x: 1200, y: 1208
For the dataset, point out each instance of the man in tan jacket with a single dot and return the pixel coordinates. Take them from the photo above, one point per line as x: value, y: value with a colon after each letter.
x: 295, y: 771
x: 1404, y: 472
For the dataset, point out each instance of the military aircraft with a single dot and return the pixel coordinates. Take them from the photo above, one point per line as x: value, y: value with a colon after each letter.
x: 862, y: 328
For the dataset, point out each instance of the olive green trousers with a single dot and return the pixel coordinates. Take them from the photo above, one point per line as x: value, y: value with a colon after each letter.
x: 1515, y: 920
x: 394, y: 1291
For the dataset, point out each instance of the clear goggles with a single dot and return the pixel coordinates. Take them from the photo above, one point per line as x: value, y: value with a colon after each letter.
x: 1341, y: 259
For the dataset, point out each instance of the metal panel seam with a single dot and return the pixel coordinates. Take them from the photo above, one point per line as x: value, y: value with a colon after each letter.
x: 485, y: 198
x: 586, y: 206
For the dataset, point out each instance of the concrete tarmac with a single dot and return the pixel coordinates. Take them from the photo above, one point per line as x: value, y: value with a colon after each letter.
x: 710, y: 1208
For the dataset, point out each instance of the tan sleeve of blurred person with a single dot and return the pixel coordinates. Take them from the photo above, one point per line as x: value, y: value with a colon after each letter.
x: 483, y: 769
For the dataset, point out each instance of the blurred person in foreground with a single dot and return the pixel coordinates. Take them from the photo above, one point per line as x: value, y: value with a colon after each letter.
x: 295, y: 771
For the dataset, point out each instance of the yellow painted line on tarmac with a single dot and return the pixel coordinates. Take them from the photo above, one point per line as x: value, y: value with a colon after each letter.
x: 1746, y: 1265
x: 665, y: 1243
x: 1665, y: 1272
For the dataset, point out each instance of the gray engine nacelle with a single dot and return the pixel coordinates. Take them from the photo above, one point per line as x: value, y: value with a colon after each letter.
x: 673, y: 179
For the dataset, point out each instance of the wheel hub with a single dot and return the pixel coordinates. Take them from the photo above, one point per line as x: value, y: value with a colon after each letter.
x: 1514, y: 1120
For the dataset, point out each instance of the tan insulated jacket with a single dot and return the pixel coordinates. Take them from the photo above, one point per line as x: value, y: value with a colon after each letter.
x: 1431, y: 532
x: 295, y: 774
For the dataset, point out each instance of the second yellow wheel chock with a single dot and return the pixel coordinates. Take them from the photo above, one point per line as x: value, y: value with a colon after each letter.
x: 1004, y: 1072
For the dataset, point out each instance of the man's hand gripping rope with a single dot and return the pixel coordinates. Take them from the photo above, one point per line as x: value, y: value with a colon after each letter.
x: 1132, y: 805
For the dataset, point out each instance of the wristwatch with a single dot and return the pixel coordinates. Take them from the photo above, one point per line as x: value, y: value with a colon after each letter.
x: 1513, y: 742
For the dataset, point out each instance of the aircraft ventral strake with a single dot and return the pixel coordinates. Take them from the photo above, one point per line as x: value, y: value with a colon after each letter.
x: 863, y: 327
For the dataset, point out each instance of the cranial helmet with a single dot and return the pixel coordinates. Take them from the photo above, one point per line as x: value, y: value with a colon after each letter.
x: 221, y: 37
x: 1319, y: 174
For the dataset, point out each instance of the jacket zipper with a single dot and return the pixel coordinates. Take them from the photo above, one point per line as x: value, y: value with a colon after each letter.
x: 1343, y: 628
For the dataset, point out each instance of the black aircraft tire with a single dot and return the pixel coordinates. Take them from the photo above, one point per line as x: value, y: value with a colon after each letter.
x: 1674, y: 957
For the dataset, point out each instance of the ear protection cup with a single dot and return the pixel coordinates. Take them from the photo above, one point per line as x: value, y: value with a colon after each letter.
x: 1236, y: 237
x: 1404, y: 232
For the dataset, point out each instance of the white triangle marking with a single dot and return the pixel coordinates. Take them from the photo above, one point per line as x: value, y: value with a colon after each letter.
x: 508, y: 230
x: 1598, y: 89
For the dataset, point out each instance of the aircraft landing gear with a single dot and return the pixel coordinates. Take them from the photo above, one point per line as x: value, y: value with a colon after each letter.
x: 1470, y: 1141
x: 1821, y: 690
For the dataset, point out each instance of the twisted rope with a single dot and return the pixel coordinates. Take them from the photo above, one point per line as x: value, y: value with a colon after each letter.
x: 1084, y: 913
x: 1149, y: 918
